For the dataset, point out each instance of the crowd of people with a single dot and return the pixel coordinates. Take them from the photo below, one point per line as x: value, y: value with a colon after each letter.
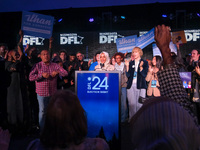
x: 34, y: 83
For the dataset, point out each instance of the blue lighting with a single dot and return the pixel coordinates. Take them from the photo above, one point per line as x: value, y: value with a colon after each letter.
x: 60, y: 20
x: 198, y: 14
x: 123, y: 17
x: 164, y: 16
x: 91, y: 20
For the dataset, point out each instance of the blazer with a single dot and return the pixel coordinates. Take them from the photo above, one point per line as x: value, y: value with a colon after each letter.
x: 141, y: 75
x: 150, y: 90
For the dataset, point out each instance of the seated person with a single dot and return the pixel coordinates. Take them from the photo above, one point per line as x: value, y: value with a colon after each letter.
x: 66, y: 126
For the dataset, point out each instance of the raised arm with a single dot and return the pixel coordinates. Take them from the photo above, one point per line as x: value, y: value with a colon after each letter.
x: 170, y: 82
x: 20, y: 44
x: 50, y: 45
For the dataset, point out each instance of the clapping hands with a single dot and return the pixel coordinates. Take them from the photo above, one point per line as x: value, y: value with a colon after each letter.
x: 54, y: 73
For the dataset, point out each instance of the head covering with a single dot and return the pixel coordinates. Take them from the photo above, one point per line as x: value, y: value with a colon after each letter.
x: 107, y: 57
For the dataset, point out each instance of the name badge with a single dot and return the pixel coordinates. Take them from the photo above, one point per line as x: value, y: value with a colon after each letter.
x: 135, y: 75
x: 153, y: 83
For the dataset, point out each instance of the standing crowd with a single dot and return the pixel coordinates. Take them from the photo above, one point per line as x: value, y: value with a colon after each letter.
x: 30, y: 80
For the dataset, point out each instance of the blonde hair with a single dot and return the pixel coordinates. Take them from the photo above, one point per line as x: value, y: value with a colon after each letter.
x: 138, y: 49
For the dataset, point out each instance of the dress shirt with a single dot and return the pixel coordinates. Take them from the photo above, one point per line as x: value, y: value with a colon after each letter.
x: 46, y: 87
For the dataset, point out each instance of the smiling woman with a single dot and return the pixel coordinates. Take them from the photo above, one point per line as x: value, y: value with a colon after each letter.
x: 104, y: 64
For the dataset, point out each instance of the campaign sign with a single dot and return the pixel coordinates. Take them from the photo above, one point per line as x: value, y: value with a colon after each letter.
x: 145, y: 39
x: 126, y: 44
x: 98, y: 92
x: 156, y: 50
x: 178, y: 37
x: 186, y: 79
x: 37, y: 25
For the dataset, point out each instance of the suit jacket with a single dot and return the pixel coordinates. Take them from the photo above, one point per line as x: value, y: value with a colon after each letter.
x: 141, y: 75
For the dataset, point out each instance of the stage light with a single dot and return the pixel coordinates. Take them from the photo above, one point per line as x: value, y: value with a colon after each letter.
x: 59, y: 20
x: 123, y: 17
x: 198, y: 14
x: 91, y: 20
x: 164, y: 16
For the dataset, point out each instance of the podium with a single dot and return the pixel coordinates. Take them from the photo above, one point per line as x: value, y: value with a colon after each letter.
x: 99, y: 93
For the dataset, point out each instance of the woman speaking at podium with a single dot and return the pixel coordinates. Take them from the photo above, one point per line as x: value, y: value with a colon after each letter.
x: 104, y: 64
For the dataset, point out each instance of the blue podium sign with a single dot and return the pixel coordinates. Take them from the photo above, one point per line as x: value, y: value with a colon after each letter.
x: 98, y: 92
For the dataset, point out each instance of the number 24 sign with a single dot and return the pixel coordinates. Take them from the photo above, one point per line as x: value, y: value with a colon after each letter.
x: 95, y: 83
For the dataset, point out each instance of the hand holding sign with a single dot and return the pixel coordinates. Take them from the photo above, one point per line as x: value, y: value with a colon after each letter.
x: 163, y: 38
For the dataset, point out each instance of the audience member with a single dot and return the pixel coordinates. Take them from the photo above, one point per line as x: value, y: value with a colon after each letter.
x: 45, y: 74
x: 62, y: 82
x: 66, y: 126
x: 104, y: 64
x: 64, y: 58
x: 120, y: 66
x: 17, y: 99
x: 112, y: 61
x: 4, y: 83
x: 194, y: 60
x: 162, y: 124
x: 32, y: 59
x: 165, y: 120
x: 136, y: 85
x: 178, y: 60
x: 55, y: 54
x: 169, y: 78
x: 3, y: 51
x: 72, y: 66
x: 97, y: 58
x: 152, y: 78
x: 83, y: 64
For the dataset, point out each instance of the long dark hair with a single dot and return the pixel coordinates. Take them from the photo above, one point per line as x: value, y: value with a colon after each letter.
x: 158, y: 62
x: 66, y: 121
